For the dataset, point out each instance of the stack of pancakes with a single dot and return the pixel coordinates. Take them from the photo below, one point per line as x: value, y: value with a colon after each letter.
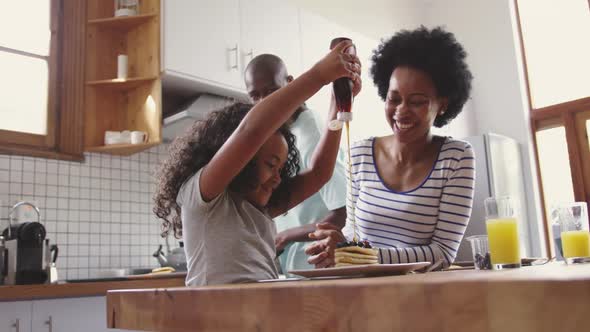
x: 350, y: 253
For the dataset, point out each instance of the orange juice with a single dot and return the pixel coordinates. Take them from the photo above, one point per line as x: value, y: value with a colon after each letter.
x: 503, y: 240
x: 575, y: 244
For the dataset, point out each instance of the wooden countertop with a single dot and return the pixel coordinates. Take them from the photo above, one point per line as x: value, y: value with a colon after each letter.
x: 44, y: 291
x: 553, y: 297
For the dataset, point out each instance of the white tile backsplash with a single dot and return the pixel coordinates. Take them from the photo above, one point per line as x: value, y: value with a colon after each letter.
x: 98, y: 212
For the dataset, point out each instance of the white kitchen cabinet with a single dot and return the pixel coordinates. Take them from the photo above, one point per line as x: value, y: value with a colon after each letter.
x: 270, y: 26
x: 201, y: 41
x: 15, y: 316
x: 87, y: 314
x: 207, y: 44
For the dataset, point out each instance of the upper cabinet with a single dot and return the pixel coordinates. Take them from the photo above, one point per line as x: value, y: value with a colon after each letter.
x: 207, y: 44
x: 202, y: 41
x: 271, y: 26
x: 133, y: 101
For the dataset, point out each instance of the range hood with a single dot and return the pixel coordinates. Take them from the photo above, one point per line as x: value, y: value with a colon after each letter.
x: 196, y: 109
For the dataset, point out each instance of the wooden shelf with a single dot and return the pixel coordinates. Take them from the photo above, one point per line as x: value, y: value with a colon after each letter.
x: 121, y: 149
x: 122, y: 23
x: 122, y: 84
x: 134, y: 103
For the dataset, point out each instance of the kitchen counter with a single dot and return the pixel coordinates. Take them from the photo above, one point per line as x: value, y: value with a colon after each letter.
x: 552, y: 297
x: 82, y: 289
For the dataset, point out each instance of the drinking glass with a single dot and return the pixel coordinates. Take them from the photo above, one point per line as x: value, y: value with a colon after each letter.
x: 502, y: 228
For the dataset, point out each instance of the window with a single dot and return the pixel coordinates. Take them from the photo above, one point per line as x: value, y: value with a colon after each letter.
x: 554, y: 38
x: 554, y: 159
x: 40, y: 113
x: 25, y: 61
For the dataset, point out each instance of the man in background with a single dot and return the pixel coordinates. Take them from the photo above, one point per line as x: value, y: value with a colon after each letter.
x: 265, y: 74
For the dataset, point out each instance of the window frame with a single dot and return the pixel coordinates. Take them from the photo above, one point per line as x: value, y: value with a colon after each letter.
x: 571, y: 115
x: 64, y: 138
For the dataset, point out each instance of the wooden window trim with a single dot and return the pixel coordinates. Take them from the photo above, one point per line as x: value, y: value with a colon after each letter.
x: 584, y: 145
x: 566, y: 114
x: 65, y: 123
x: 555, y: 111
x: 575, y: 154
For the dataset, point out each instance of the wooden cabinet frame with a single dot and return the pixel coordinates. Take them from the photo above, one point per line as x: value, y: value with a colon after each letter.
x: 66, y: 95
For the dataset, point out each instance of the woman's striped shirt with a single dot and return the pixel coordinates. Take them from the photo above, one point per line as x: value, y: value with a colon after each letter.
x: 423, y: 224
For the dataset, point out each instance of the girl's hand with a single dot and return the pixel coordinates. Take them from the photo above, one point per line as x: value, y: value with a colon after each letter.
x: 321, y: 252
x: 338, y: 64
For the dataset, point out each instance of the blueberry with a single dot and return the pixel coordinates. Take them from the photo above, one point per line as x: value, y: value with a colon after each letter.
x: 483, y: 262
x: 479, y: 261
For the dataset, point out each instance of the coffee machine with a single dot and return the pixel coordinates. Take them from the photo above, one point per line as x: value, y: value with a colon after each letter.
x: 25, y: 254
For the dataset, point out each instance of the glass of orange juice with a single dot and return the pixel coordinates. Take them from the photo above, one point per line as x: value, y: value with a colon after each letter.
x: 575, y: 236
x: 502, y: 228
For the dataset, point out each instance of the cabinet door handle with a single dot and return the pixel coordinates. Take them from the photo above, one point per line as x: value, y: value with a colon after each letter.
x: 16, y: 325
x: 236, y: 57
x: 49, y: 323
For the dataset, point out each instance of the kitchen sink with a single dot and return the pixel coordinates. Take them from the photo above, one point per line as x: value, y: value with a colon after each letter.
x: 112, y: 275
x: 122, y: 272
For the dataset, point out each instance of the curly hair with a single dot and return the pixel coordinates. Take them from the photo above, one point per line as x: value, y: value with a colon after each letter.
x: 438, y: 54
x: 194, y: 150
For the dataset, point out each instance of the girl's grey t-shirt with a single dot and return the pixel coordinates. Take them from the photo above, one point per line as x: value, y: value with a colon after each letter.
x: 226, y: 240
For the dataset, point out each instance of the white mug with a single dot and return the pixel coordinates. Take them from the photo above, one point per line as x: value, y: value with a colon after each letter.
x: 112, y: 137
x: 138, y: 137
x: 125, y: 137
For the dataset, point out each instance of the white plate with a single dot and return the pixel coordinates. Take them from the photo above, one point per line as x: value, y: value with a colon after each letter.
x: 361, y: 270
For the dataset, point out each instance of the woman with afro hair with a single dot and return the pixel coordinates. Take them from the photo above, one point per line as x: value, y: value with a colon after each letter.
x: 231, y: 173
x: 412, y: 191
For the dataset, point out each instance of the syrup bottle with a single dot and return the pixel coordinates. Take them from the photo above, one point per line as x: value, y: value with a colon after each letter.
x: 343, y: 87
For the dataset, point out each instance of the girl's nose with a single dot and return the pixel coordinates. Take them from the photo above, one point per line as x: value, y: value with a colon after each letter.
x: 276, y: 177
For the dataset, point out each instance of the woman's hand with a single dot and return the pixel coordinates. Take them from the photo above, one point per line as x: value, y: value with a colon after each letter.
x: 338, y: 64
x: 321, y: 251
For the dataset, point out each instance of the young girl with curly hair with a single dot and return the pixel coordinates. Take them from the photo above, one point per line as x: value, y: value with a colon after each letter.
x: 233, y: 172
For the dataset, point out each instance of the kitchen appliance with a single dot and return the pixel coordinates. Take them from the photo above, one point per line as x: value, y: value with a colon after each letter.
x: 26, y: 263
x: 3, y: 260
x: 196, y: 109
x: 51, y: 252
x: 498, y: 172
x: 24, y: 250
x: 175, y: 258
